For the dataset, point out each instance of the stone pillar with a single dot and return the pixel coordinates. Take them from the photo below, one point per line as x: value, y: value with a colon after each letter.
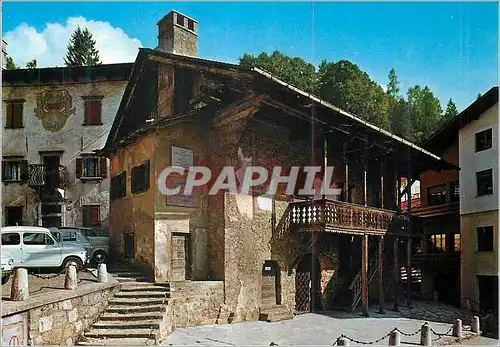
x: 71, y: 280
x: 19, y: 289
x: 457, y: 328
x: 425, y: 335
x: 475, y: 326
x: 364, y: 275
x: 102, y: 273
x: 342, y: 342
x: 381, y: 302
x: 395, y: 338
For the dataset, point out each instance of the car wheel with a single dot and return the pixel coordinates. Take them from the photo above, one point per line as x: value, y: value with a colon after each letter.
x: 5, y: 279
x: 77, y: 261
x: 100, y: 257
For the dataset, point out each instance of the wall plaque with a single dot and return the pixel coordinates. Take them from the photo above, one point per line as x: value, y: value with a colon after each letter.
x: 182, y: 157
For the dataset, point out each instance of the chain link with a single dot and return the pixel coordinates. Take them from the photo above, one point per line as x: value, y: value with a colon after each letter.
x: 406, y: 334
x: 48, y: 277
x: 442, y: 334
x: 361, y: 342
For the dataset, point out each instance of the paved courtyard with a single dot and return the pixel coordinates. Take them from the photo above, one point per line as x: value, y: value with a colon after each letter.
x: 314, y: 329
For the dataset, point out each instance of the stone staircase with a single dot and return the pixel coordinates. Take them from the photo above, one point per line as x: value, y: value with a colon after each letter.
x: 269, y: 310
x: 135, y: 315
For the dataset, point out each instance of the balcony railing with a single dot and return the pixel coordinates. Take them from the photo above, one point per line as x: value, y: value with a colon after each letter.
x: 437, y: 210
x: 342, y: 217
x: 40, y: 175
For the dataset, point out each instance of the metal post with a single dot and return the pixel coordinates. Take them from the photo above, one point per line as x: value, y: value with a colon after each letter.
x: 396, y: 273
x: 364, y: 274
x: 380, y: 276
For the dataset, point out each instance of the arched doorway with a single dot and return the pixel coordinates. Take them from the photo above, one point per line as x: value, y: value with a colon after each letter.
x: 308, y: 284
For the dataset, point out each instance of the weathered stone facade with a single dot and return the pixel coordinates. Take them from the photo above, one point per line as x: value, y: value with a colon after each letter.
x: 72, y: 140
x: 61, y: 318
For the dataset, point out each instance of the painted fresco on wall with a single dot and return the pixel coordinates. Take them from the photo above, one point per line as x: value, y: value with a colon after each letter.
x: 54, y: 108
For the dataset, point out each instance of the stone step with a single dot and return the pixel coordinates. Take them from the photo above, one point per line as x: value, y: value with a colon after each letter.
x: 125, y: 273
x: 132, y: 279
x: 138, y: 286
x: 122, y: 333
x: 275, y: 314
x: 133, y: 309
x: 136, y: 324
x: 117, y: 342
x: 138, y: 301
x: 136, y: 316
x: 142, y: 294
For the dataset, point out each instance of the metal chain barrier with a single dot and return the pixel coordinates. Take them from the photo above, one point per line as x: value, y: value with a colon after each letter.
x: 406, y: 334
x: 441, y: 334
x: 89, y: 271
x: 48, y: 277
x: 362, y: 342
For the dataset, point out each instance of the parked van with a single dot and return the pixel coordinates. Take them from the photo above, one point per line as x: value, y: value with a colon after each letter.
x: 36, y: 247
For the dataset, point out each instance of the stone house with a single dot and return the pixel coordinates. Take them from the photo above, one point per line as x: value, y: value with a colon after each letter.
x: 54, y: 120
x: 289, y: 251
x: 471, y: 141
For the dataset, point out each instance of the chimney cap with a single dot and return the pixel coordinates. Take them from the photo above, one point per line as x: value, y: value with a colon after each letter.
x: 176, y: 12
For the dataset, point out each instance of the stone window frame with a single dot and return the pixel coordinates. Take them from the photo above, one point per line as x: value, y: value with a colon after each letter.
x: 100, y: 167
x: 12, y: 106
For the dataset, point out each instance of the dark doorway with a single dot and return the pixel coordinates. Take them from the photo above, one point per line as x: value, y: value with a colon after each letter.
x: 488, y: 294
x: 51, y: 161
x: 308, y: 284
x: 128, y: 245
x: 271, y: 285
x: 14, y: 215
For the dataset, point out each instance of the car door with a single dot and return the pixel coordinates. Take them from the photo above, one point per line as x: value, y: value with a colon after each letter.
x: 11, y: 245
x: 40, y: 250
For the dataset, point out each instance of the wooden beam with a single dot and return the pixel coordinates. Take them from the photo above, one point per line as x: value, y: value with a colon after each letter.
x: 239, y: 109
x: 381, y: 302
x: 364, y: 274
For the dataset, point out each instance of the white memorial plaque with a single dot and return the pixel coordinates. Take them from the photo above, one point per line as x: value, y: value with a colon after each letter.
x: 182, y: 157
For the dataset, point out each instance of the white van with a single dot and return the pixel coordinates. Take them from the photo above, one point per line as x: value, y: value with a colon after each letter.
x: 35, y: 247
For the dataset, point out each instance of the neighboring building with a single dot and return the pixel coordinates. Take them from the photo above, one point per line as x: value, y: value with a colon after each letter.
x: 466, y: 200
x: 4, y: 54
x: 54, y: 119
x: 285, y: 250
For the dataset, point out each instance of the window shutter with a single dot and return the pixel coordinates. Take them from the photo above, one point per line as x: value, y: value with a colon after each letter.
x: 24, y: 170
x: 9, y: 115
x: 79, y: 167
x: 146, y: 175
x: 96, y: 221
x: 87, y: 112
x: 96, y: 112
x: 4, y: 173
x: 17, y: 115
x: 103, y: 167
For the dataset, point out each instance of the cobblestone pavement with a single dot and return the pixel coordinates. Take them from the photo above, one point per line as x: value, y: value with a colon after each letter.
x: 324, y: 329
x: 44, y: 282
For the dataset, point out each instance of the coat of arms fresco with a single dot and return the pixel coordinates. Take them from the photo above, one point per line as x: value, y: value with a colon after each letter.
x: 54, y: 108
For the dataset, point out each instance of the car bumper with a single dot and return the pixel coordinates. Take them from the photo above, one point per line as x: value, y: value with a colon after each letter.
x: 6, y: 269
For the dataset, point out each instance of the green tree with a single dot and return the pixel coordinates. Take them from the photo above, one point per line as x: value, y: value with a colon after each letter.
x: 31, y: 64
x: 293, y: 70
x: 479, y: 95
x: 400, y: 119
x: 424, y: 112
x: 10, y: 65
x: 393, y: 86
x: 451, y: 110
x: 81, y: 49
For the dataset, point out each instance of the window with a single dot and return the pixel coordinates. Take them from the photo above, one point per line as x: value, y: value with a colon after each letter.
x: 436, y: 195
x: 11, y: 239
x: 456, y: 242
x: 14, y: 112
x: 190, y: 24
x: 13, y: 215
x: 91, y: 167
x: 118, y: 186
x: 14, y: 170
x: 92, y: 110
x: 485, y: 238
x: 180, y: 20
x: 484, y: 140
x: 484, y: 181
x: 37, y: 239
x: 439, y: 242
x: 91, y: 216
x: 455, y: 192
x: 140, y: 178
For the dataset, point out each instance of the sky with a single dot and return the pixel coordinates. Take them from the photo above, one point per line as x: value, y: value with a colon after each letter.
x: 451, y: 47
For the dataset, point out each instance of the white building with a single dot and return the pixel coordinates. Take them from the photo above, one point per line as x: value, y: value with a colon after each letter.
x: 54, y: 118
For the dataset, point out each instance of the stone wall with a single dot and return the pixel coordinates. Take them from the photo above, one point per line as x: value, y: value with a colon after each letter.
x: 72, y: 139
x: 59, y: 318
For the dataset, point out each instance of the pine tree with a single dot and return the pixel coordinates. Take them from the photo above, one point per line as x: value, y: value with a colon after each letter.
x: 81, y: 49
x: 451, y: 110
x: 9, y: 64
x: 31, y: 64
x: 393, y: 86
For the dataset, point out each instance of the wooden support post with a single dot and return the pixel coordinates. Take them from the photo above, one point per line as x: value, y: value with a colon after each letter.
x: 346, y: 168
x: 325, y: 163
x: 399, y: 190
x: 409, y: 248
x: 396, y: 273
x: 364, y: 274
x: 381, y: 302
x: 382, y: 174
x: 365, y: 161
x: 313, y: 273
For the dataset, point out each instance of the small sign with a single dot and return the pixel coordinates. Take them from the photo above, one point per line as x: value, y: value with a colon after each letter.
x: 179, y: 199
x: 182, y: 157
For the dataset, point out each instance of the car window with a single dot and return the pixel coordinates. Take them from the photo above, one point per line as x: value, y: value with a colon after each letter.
x: 11, y: 239
x: 69, y: 236
x: 37, y: 239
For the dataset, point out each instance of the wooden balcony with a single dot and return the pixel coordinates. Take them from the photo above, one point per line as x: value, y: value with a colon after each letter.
x: 40, y: 175
x: 437, y: 210
x: 437, y: 260
x: 341, y: 217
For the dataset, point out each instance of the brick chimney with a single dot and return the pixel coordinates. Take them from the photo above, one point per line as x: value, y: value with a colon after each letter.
x: 178, y: 34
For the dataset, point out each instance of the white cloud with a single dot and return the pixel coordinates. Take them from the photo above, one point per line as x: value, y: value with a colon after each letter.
x: 49, y: 46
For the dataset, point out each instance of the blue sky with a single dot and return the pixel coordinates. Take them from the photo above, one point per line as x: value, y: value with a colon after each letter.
x: 452, y: 47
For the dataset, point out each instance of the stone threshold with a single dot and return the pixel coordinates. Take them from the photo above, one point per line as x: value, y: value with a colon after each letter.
x: 12, y: 307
